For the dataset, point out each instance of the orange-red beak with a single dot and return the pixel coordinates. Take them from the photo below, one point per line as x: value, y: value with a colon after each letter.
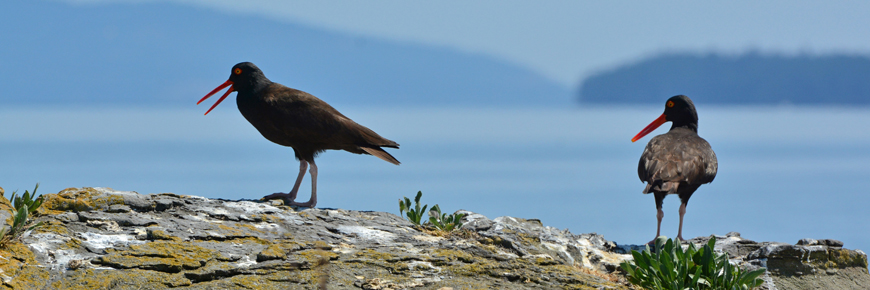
x: 651, y: 127
x: 220, y: 87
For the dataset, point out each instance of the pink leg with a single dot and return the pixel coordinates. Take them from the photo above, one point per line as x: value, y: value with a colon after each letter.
x: 313, y: 201
x: 659, y: 216
x: 290, y: 197
x: 682, y: 213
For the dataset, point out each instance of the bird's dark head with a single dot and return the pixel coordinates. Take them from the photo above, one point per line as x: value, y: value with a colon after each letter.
x: 679, y: 110
x: 244, y: 77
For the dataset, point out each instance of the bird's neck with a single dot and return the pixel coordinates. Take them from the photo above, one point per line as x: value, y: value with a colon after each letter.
x: 253, y: 85
x: 259, y: 84
x: 687, y: 125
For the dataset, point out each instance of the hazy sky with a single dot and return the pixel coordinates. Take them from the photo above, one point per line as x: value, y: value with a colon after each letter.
x: 562, y: 40
x: 567, y: 40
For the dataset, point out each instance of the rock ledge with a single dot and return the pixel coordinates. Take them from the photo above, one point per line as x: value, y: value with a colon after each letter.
x: 99, y: 238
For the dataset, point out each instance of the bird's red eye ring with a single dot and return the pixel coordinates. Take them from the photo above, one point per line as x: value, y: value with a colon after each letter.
x: 237, y: 71
x: 670, y: 104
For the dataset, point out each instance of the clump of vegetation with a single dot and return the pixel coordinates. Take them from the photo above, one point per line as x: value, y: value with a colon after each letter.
x: 438, y: 220
x: 23, y: 206
x: 443, y: 221
x: 669, y: 267
x: 415, y: 215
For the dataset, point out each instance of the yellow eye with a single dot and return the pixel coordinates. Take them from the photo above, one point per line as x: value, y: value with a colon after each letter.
x: 238, y: 71
x: 670, y: 104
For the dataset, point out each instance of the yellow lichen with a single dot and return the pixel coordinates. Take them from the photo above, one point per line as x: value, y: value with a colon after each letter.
x: 53, y: 226
x: 57, y: 204
x: 19, y: 263
x: 161, y: 235
x: 103, y: 202
x: 305, y: 214
x: 77, y: 200
x: 843, y: 258
x: 314, y: 256
x: 233, y: 231
x: 257, y: 240
x: 274, y: 251
x: 454, y: 255
x: 482, y: 267
x: 160, y: 255
x: 271, y: 219
x: 528, y: 240
x: 114, y: 279
x: 321, y: 245
x: 373, y: 255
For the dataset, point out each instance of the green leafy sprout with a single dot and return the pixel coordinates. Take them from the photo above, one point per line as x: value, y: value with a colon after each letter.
x: 438, y: 220
x: 669, y: 267
x: 23, y: 206
x: 415, y: 215
x: 443, y: 221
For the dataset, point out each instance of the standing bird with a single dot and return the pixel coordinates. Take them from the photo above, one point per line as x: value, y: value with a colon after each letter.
x: 299, y: 120
x: 676, y: 162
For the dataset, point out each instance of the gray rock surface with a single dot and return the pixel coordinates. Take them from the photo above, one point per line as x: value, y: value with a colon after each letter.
x: 101, y: 238
x: 808, y: 264
x: 97, y: 238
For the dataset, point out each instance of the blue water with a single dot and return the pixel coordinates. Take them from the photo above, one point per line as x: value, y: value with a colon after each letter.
x: 785, y: 173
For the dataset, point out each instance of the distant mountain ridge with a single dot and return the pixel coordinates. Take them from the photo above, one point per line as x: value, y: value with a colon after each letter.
x: 751, y: 78
x: 163, y: 54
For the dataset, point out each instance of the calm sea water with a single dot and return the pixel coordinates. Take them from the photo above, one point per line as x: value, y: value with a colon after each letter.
x: 785, y: 173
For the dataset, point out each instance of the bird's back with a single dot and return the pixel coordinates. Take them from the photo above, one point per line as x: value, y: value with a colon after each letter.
x: 300, y: 120
x: 679, y: 156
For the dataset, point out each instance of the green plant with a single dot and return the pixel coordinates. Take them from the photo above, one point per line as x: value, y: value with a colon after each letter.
x: 443, y: 221
x: 666, y: 268
x: 720, y: 274
x: 438, y: 220
x: 26, y: 200
x: 23, y: 206
x: 415, y: 215
x: 669, y: 267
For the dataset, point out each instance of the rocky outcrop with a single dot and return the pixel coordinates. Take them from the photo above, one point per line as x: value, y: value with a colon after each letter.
x: 99, y: 238
x: 809, y: 264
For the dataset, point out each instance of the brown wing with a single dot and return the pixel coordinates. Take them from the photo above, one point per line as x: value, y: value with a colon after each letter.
x: 677, y: 157
x: 297, y: 117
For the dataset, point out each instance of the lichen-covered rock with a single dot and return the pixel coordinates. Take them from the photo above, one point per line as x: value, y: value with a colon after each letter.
x: 809, y: 264
x: 530, y: 239
x: 99, y: 238
x: 5, y: 210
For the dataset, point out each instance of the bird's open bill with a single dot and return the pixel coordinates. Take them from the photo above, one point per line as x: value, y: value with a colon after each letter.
x: 220, y: 87
x: 651, y: 127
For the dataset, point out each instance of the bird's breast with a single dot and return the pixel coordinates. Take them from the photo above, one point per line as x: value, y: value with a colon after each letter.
x: 678, y: 157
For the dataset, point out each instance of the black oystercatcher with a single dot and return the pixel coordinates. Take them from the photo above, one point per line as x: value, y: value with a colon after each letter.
x: 297, y: 119
x: 676, y: 162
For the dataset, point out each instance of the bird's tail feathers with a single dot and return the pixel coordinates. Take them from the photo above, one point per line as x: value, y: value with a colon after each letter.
x: 380, y: 153
x: 648, y: 188
x: 372, y: 138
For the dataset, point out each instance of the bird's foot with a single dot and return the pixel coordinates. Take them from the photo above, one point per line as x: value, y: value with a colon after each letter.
x: 287, y: 197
